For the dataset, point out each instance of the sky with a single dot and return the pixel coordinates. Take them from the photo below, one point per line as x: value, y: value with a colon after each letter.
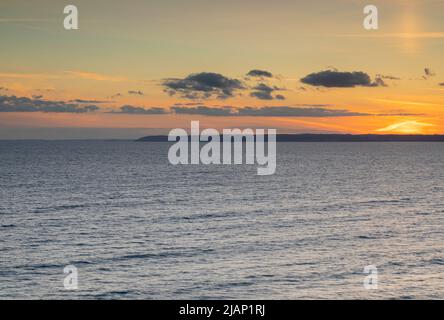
x: 136, y: 68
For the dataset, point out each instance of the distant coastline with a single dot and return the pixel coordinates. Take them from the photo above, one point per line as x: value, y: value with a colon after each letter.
x: 333, y: 138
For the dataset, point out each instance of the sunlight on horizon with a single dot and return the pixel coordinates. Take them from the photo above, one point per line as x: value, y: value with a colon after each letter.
x: 407, y: 127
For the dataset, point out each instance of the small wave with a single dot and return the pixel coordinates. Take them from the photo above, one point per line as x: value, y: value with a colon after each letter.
x: 167, y: 254
x: 61, y: 208
x: 394, y: 201
x: 41, y: 266
x: 8, y: 226
x: 439, y: 261
x: 234, y: 284
x: 256, y: 277
x: 367, y: 237
x: 111, y: 295
x: 141, y: 256
x: 80, y: 263
x: 424, y: 213
x: 209, y: 216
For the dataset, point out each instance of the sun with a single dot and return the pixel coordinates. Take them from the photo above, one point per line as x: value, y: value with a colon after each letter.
x: 407, y: 127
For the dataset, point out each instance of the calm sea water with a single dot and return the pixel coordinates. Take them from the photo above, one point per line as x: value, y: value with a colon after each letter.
x: 137, y: 227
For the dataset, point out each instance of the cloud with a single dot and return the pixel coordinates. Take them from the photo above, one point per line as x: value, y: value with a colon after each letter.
x: 400, y: 114
x: 379, y: 82
x: 95, y: 76
x: 48, y: 89
x: 260, y: 74
x: 285, y: 111
x: 23, y: 104
x: 127, y: 109
x: 29, y: 76
x: 81, y: 101
x: 203, y: 110
x: 65, y: 74
x: 337, y: 79
x: 411, y: 103
x: 280, y: 111
x: 429, y: 73
x: 388, y: 77
x: 401, y: 35
x: 133, y: 92
x: 196, y: 103
x: 441, y: 84
x: 203, y: 86
x: 264, y: 92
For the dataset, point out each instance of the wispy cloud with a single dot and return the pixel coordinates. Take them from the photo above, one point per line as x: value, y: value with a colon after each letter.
x: 69, y: 74
x: 278, y: 111
x: 135, y: 92
x: 400, y: 35
x: 82, y: 101
x: 403, y: 102
x: 95, y: 76
x: 24, y: 104
x: 29, y: 76
x: 127, y: 109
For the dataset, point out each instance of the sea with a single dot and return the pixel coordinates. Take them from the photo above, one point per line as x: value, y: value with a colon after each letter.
x: 336, y: 221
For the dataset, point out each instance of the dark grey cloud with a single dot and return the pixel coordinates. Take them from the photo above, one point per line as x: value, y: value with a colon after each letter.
x: 265, y: 92
x: 260, y: 74
x: 337, y: 79
x: 127, y: 109
x: 23, y: 104
x: 136, y: 92
x: 280, y: 111
x: 203, y: 86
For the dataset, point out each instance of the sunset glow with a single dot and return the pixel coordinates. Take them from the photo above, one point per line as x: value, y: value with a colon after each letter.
x: 407, y: 127
x: 136, y: 74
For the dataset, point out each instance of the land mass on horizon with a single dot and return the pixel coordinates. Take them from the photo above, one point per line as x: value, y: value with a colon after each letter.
x: 333, y: 138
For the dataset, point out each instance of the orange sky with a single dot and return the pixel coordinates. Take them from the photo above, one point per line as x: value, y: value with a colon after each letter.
x: 126, y: 54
